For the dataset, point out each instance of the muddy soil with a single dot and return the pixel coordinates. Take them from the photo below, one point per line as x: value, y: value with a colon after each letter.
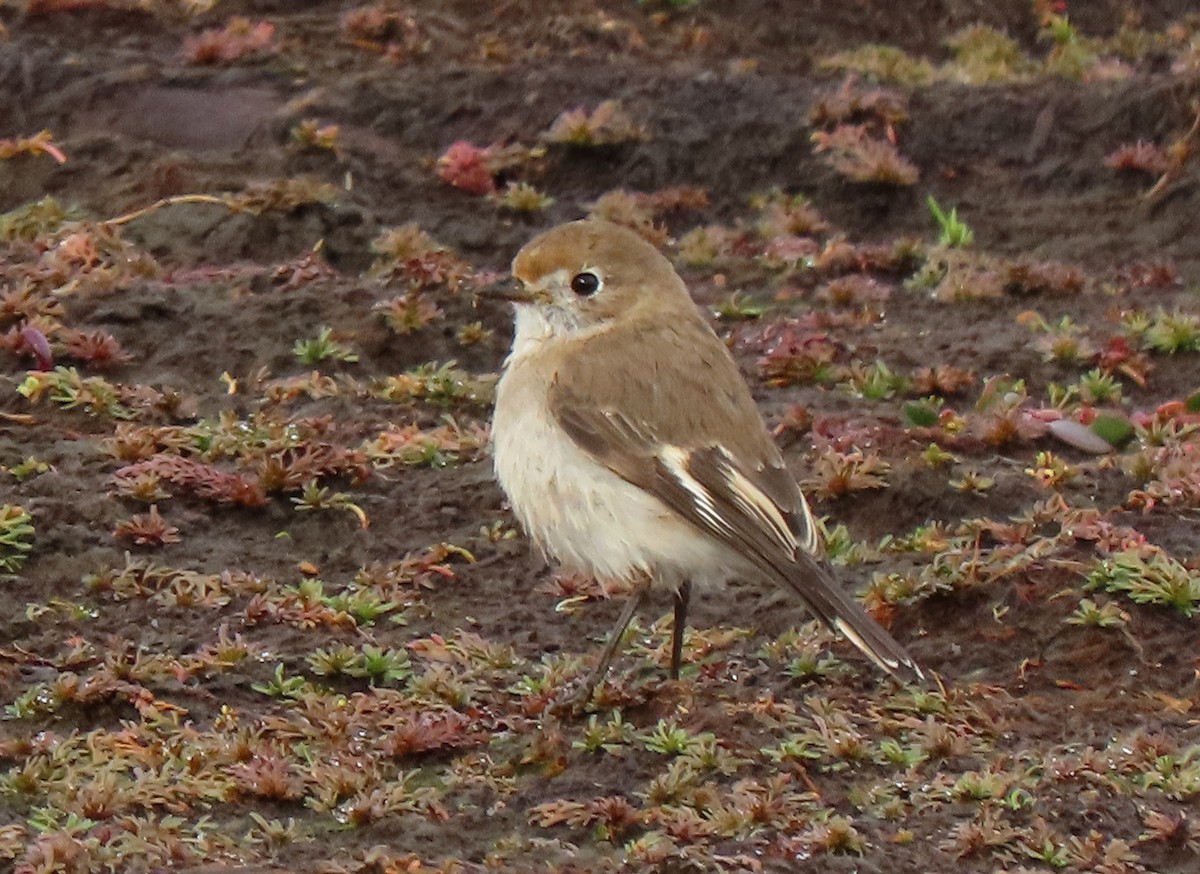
x: 146, y: 681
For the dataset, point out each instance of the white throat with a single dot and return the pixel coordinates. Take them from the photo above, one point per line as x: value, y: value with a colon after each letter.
x: 536, y: 326
x: 531, y: 329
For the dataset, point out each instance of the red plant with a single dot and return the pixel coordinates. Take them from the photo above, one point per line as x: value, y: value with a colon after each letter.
x: 792, y: 359
x: 149, y: 530
x: 676, y: 199
x: 849, y: 433
x: 789, y: 249
x: 1145, y: 157
x: 431, y: 270
x: 1118, y: 356
x: 615, y: 812
x: 129, y: 442
x: 854, y: 153
x: 465, y: 165
x: 1006, y: 424
x: 1043, y: 277
x: 295, y: 610
x: 796, y: 421
x: 146, y: 487
x: 409, y: 312
x: 944, y: 379
x: 850, y: 103
x: 267, y: 775
x: 790, y: 216
x: 422, y: 567
x: 423, y: 732
x: 26, y: 303
x: 239, y: 38
x: 1151, y: 274
x: 1088, y: 524
x: 607, y: 124
x: 836, y: 474
x: 290, y: 469
x: 1175, y: 482
x: 407, y: 252
x: 201, y: 479
x: 308, y: 267
x: 899, y: 258
x: 98, y: 348
x: 854, y: 289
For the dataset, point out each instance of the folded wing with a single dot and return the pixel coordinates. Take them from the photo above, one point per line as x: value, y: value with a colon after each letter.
x: 755, y: 509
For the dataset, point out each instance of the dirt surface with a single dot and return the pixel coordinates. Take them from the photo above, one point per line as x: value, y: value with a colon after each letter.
x: 266, y: 679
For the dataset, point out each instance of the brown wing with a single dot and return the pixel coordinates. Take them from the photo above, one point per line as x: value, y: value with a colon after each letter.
x: 712, y: 471
x: 678, y: 363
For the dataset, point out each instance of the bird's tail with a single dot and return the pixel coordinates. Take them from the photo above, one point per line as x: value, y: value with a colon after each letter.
x: 813, y: 582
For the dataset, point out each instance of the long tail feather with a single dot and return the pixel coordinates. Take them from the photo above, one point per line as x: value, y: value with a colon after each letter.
x: 826, y: 598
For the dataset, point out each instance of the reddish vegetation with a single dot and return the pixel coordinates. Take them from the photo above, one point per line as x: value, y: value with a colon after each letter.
x: 237, y: 39
x: 465, y: 166
x: 1147, y: 157
x: 211, y: 660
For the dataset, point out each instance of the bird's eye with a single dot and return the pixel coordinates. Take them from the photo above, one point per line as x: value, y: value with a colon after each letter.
x: 585, y: 284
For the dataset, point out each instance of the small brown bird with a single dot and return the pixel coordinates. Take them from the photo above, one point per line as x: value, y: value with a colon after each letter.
x: 630, y: 447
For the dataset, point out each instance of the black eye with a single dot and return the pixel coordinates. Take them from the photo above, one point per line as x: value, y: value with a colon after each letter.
x: 585, y: 284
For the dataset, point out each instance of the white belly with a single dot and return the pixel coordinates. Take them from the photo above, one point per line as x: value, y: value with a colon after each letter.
x: 582, y: 513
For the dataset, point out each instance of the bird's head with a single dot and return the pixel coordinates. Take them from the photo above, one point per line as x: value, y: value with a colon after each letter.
x: 590, y: 274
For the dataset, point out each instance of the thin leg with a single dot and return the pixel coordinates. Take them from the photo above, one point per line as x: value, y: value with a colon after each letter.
x: 636, y: 599
x: 682, y: 595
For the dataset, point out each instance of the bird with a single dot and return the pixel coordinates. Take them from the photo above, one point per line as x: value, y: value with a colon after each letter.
x: 630, y: 448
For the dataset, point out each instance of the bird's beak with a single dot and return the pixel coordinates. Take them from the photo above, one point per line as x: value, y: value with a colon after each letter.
x: 514, y: 291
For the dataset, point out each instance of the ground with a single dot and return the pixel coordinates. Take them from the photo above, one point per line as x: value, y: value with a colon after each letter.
x: 268, y: 605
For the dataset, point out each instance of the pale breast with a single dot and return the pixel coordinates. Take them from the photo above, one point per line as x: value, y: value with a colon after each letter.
x: 579, y: 511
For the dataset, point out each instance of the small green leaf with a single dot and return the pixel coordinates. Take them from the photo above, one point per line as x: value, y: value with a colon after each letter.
x: 920, y: 414
x: 1115, y: 430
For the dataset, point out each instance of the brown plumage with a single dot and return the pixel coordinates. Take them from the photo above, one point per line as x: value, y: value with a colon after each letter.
x: 630, y: 445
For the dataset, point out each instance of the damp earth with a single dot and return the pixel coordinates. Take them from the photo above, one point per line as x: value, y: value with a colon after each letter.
x: 268, y: 609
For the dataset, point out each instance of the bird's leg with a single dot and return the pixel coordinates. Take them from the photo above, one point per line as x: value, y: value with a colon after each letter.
x: 682, y: 595
x: 636, y: 599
